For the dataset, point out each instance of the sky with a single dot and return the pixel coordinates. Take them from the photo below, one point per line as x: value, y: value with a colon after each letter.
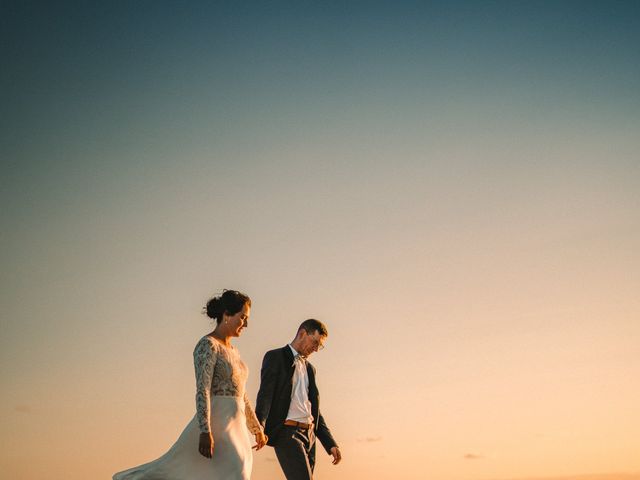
x: 452, y: 187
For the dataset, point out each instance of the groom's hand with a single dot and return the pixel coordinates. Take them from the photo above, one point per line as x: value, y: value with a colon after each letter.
x: 337, y: 456
x: 205, y: 446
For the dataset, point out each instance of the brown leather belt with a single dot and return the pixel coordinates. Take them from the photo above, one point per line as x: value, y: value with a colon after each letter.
x: 293, y: 423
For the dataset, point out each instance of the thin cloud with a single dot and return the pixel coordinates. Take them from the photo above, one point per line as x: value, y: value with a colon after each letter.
x: 472, y: 456
x: 369, y: 439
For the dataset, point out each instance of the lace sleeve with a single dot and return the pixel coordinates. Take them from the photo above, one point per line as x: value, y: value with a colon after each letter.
x: 204, y: 360
x: 252, y: 421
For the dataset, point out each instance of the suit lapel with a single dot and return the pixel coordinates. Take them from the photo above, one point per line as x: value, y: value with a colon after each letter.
x: 310, y: 373
x: 288, y: 362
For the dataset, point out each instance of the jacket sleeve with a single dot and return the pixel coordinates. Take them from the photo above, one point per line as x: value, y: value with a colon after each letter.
x: 324, y: 434
x: 268, y: 379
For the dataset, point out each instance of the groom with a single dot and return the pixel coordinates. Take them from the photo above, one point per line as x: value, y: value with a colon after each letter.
x: 288, y: 403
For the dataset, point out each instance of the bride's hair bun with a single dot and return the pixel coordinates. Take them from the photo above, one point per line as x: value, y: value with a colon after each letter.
x: 230, y: 302
x: 214, y: 308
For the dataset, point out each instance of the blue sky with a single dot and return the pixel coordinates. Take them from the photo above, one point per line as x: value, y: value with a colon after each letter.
x: 451, y: 183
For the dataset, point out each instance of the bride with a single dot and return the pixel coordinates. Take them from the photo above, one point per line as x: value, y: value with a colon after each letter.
x: 215, y: 444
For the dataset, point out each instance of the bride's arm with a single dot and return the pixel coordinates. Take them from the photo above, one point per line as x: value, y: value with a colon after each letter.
x: 253, y: 424
x: 252, y: 421
x: 204, y: 361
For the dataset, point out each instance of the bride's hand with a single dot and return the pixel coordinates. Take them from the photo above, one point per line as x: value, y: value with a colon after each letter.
x: 261, y: 440
x: 205, y: 446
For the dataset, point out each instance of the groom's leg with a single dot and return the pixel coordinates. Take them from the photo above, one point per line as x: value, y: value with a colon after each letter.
x: 292, y: 452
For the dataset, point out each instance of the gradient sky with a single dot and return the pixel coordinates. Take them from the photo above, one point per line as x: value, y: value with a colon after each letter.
x: 454, y: 188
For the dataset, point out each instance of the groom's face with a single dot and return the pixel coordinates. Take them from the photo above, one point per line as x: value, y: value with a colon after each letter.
x: 311, y: 342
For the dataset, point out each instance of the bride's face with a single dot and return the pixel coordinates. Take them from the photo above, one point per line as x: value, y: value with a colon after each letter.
x: 238, y: 322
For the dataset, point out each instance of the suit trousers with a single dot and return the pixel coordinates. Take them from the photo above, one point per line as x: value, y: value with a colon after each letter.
x: 296, y: 452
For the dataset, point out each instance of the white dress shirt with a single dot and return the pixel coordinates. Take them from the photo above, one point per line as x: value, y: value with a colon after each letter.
x: 300, y: 406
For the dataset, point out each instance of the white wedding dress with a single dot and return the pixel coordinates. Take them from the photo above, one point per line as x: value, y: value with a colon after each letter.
x: 223, y: 409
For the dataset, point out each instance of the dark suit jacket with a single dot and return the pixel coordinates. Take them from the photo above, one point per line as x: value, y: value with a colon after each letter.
x: 274, y: 397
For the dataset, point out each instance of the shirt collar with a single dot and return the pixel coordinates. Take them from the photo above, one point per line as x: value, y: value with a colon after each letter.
x: 297, y: 355
x: 294, y: 351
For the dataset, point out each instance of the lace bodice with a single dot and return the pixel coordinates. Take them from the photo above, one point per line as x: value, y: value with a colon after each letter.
x: 220, y: 371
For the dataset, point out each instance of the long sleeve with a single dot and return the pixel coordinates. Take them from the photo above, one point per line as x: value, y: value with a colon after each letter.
x: 204, y: 361
x: 322, y: 430
x: 252, y: 421
x: 324, y: 435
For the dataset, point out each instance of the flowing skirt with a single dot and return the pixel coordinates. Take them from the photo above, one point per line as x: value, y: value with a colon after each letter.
x: 232, y: 457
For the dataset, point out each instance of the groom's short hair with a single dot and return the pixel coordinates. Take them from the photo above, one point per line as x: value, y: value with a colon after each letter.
x: 311, y: 325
